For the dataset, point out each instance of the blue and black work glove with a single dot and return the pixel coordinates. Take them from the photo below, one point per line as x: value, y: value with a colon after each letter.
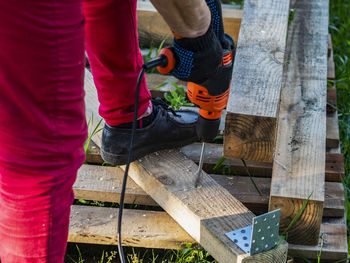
x: 198, y: 59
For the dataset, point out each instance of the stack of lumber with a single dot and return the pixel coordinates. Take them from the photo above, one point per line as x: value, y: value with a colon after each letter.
x: 269, y: 67
x: 206, y: 213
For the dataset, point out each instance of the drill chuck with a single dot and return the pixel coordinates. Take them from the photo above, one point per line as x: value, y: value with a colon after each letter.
x: 207, y: 129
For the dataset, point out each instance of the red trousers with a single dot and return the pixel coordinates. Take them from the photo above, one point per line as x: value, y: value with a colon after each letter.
x: 42, y: 111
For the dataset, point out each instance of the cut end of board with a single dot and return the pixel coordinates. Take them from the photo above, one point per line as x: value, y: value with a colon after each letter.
x: 249, y: 137
x: 306, y: 229
x: 275, y: 255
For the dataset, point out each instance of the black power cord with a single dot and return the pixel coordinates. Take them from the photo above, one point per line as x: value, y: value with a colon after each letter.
x: 160, y: 61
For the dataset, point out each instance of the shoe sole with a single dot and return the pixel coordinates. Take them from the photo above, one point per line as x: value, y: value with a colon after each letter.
x: 117, y: 159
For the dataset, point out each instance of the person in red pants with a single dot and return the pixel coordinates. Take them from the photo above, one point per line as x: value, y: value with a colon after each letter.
x: 42, y: 111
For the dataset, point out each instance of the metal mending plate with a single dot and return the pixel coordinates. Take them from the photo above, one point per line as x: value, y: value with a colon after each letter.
x: 261, y: 236
x: 242, y: 237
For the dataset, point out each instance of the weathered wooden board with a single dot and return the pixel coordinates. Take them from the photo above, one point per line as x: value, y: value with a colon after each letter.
x: 335, y: 163
x: 243, y: 189
x: 152, y: 28
x: 299, y: 161
x: 333, y: 240
x: 331, y: 67
x: 331, y: 99
x: 91, y: 106
x: 104, y: 184
x: 206, y: 212
x: 256, y: 82
x: 333, y: 171
x: 332, y: 138
x: 98, y: 225
x: 93, y: 155
x: 330, y: 45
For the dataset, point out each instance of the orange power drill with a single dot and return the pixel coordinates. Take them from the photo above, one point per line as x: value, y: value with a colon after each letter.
x: 211, y: 96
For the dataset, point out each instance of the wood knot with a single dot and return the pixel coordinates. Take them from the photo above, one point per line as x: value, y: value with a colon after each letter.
x: 278, y: 56
x: 166, y: 180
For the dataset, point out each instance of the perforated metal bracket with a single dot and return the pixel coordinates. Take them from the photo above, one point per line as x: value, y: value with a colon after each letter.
x: 261, y: 236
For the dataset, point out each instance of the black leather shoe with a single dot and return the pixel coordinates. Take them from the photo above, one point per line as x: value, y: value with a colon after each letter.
x: 169, y: 129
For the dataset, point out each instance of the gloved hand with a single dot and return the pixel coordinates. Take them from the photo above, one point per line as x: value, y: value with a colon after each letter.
x: 217, y: 22
x: 198, y: 59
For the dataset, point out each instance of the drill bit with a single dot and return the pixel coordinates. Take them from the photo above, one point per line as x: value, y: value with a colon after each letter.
x: 200, y: 165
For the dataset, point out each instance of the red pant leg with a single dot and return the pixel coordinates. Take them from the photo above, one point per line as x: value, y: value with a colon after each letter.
x: 34, y: 216
x: 42, y: 125
x: 115, y: 58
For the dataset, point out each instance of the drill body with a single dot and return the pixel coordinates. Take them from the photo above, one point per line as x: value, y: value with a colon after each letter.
x: 211, y: 95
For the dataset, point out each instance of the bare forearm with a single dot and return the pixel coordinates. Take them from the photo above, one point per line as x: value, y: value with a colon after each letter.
x: 187, y: 18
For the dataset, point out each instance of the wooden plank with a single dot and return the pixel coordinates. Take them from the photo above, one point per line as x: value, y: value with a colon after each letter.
x: 153, y: 29
x: 333, y: 235
x: 299, y: 160
x: 91, y: 106
x: 243, y: 189
x: 93, y: 155
x: 206, y: 212
x: 331, y: 99
x: 104, y: 184
x: 332, y: 138
x: 331, y: 67
x: 141, y: 228
x: 256, y: 82
x: 330, y: 46
x: 334, y: 164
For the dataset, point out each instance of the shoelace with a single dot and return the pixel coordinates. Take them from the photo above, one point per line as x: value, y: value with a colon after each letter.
x: 159, y: 102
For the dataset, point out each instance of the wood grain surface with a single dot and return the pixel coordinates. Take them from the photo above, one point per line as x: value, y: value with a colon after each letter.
x: 206, y: 212
x: 256, y: 82
x: 299, y: 160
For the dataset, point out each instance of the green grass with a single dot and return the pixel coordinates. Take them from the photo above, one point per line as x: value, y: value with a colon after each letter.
x: 84, y: 253
x: 340, y: 29
x: 177, y: 97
